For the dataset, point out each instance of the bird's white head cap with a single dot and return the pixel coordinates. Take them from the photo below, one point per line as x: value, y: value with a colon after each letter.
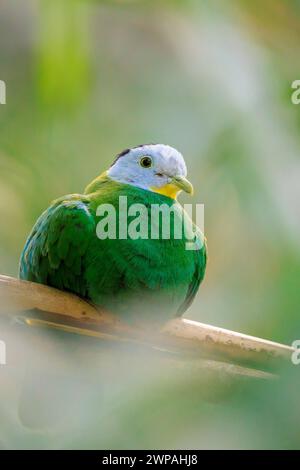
x: 155, y: 167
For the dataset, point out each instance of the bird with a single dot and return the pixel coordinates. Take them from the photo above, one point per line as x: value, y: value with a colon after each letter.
x: 138, y: 278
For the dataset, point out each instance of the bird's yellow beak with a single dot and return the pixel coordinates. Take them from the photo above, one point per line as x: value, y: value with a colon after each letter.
x: 178, y: 183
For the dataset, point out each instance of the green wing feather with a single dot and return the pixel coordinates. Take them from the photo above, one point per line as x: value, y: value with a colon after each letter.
x: 55, y: 251
x: 200, y: 266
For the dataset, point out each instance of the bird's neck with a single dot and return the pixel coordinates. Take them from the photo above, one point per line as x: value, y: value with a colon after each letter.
x: 96, y: 184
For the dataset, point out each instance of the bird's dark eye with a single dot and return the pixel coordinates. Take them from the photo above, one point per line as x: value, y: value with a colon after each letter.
x: 146, y: 162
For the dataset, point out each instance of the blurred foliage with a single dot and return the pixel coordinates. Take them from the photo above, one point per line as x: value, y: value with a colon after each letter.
x: 62, y: 59
x: 86, y: 79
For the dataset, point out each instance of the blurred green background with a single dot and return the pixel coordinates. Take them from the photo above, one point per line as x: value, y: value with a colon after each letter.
x: 86, y: 79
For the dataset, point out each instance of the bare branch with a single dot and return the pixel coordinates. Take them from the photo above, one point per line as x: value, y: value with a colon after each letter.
x: 68, y: 312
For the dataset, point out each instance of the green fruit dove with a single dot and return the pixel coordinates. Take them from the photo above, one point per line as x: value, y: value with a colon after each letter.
x: 81, y: 243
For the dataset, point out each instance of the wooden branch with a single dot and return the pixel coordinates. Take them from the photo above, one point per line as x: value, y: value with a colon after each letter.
x: 19, y: 295
x: 44, y: 306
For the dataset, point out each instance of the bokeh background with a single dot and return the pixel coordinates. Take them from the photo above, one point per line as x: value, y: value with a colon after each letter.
x: 86, y: 79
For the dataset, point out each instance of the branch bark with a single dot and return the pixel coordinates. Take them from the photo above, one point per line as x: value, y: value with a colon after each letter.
x: 44, y: 306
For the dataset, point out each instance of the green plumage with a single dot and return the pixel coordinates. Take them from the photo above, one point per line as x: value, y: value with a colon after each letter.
x: 154, y: 279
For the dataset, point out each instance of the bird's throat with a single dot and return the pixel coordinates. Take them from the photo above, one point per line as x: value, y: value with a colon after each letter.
x: 169, y: 190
